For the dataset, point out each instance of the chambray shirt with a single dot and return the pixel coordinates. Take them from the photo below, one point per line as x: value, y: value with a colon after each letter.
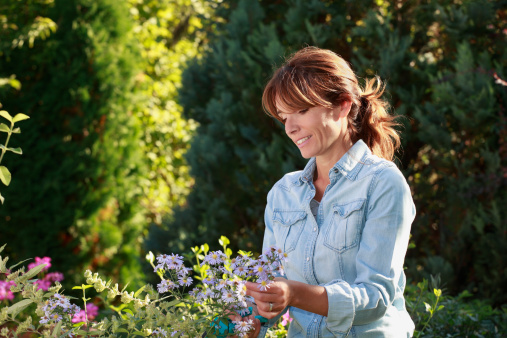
x: 355, y: 247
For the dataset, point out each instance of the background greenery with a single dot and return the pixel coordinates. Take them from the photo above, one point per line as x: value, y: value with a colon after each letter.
x: 146, y: 130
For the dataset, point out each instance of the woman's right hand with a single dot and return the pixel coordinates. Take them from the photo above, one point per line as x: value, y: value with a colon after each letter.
x: 255, y: 321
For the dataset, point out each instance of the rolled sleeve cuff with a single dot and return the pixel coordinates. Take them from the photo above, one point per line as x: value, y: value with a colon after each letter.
x: 270, y: 323
x: 341, y: 310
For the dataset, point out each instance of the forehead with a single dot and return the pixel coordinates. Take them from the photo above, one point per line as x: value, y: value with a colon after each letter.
x: 283, y: 107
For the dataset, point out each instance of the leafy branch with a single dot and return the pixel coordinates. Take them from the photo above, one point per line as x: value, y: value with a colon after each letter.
x: 5, y: 175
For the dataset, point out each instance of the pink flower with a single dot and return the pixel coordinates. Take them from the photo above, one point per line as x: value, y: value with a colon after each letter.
x: 286, y: 318
x: 5, y: 290
x: 39, y: 261
x: 92, y: 310
x: 50, y: 278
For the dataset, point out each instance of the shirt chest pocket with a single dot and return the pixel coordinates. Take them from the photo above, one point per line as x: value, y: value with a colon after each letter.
x: 287, y: 227
x: 344, y: 230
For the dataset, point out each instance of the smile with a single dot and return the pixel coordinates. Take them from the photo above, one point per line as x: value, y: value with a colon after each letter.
x: 302, y: 140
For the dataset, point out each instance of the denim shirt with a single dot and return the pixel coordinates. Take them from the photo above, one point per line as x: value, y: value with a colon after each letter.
x: 354, y: 248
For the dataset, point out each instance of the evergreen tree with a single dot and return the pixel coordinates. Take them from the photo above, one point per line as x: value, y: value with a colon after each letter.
x: 444, y: 65
x: 77, y: 200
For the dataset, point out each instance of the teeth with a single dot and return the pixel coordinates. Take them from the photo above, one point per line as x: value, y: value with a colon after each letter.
x: 302, y: 140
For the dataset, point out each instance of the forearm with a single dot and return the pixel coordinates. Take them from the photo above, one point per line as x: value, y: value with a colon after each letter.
x: 311, y: 298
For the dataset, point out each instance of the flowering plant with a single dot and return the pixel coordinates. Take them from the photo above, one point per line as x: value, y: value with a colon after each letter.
x: 165, y: 311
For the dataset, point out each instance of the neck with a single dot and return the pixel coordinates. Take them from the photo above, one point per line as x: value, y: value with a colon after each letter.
x: 325, y: 163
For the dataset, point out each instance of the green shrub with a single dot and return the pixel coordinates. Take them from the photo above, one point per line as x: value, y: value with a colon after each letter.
x: 77, y: 197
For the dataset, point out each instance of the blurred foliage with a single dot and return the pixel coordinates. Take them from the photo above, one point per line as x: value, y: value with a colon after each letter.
x: 445, y: 67
x: 454, y: 316
x: 77, y: 195
x: 169, y: 33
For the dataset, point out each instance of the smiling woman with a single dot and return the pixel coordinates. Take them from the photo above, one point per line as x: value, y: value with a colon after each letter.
x: 343, y: 221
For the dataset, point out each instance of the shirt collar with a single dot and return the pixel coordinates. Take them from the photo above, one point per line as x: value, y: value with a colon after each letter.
x: 349, y: 165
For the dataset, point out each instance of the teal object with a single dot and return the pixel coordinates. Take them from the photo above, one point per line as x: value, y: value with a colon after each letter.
x: 222, y: 330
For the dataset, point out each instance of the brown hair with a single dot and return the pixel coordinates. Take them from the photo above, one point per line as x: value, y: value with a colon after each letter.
x: 318, y: 77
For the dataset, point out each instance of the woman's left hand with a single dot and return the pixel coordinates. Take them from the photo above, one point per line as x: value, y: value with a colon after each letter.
x: 274, y: 300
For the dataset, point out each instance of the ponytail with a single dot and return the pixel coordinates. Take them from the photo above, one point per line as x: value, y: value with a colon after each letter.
x: 370, y: 121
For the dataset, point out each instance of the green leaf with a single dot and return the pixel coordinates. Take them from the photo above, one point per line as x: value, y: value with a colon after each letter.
x: 34, y: 271
x: 2, y: 248
x: 57, y: 329
x: 138, y: 292
x: 6, y: 115
x: 18, y: 307
x: 77, y: 288
x: 224, y: 241
x: 129, y: 311
x: 205, y: 248
x: 125, y: 287
x: 2, y: 199
x: 437, y: 292
x: 3, y: 263
x: 16, y: 150
x: 16, y: 130
x: 173, y: 303
x: 4, y: 128
x: 20, y: 117
x: 5, y: 175
x: 13, y: 266
x: 139, y: 333
x: 78, y: 324
x: 121, y: 330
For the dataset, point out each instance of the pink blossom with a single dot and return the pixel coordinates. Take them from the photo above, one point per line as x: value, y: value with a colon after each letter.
x: 91, y: 309
x: 5, y: 290
x: 46, y: 282
x: 39, y: 261
x: 286, y: 318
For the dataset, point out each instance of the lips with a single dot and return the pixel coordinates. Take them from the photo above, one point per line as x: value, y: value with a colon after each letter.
x: 302, y: 141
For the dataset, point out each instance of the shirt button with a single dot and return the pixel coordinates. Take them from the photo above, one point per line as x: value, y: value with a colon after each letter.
x: 307, y: 259
x: 315, y: 229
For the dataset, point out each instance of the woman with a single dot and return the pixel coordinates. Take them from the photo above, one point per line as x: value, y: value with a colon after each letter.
x: 344, y: 220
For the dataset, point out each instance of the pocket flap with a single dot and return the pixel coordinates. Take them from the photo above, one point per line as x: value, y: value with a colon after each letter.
x: 346, y: 209
x: 288, y: 217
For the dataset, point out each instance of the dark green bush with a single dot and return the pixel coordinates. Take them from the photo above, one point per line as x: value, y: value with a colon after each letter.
x: 75, y: 195
x: 459, y: 316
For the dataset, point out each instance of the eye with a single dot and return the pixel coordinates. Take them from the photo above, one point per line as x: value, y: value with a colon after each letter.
x: 302, y: 111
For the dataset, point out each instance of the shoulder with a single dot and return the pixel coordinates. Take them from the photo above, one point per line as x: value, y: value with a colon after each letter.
x: 384, y: 174
x: 286, y: 184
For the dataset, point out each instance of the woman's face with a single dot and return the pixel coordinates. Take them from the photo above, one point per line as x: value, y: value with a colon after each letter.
x: 317, y: 131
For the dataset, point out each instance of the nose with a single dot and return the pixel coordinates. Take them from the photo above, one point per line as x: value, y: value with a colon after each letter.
x: 290, y: 125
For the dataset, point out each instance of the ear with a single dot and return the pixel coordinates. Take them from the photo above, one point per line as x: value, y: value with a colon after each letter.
x: 342, y: 110
x: 345, y: 108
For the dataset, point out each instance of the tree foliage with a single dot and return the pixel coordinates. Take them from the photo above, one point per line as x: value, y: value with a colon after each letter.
x: 169, y: 33
x: 76, y: 197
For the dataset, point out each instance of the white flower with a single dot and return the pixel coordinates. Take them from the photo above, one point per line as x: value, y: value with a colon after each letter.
x: 185, y: 281
x: 228, y: 297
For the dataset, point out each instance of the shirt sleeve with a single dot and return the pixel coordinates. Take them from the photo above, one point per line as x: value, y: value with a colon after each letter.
x: 269, y: 240
x: 389, y: 213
